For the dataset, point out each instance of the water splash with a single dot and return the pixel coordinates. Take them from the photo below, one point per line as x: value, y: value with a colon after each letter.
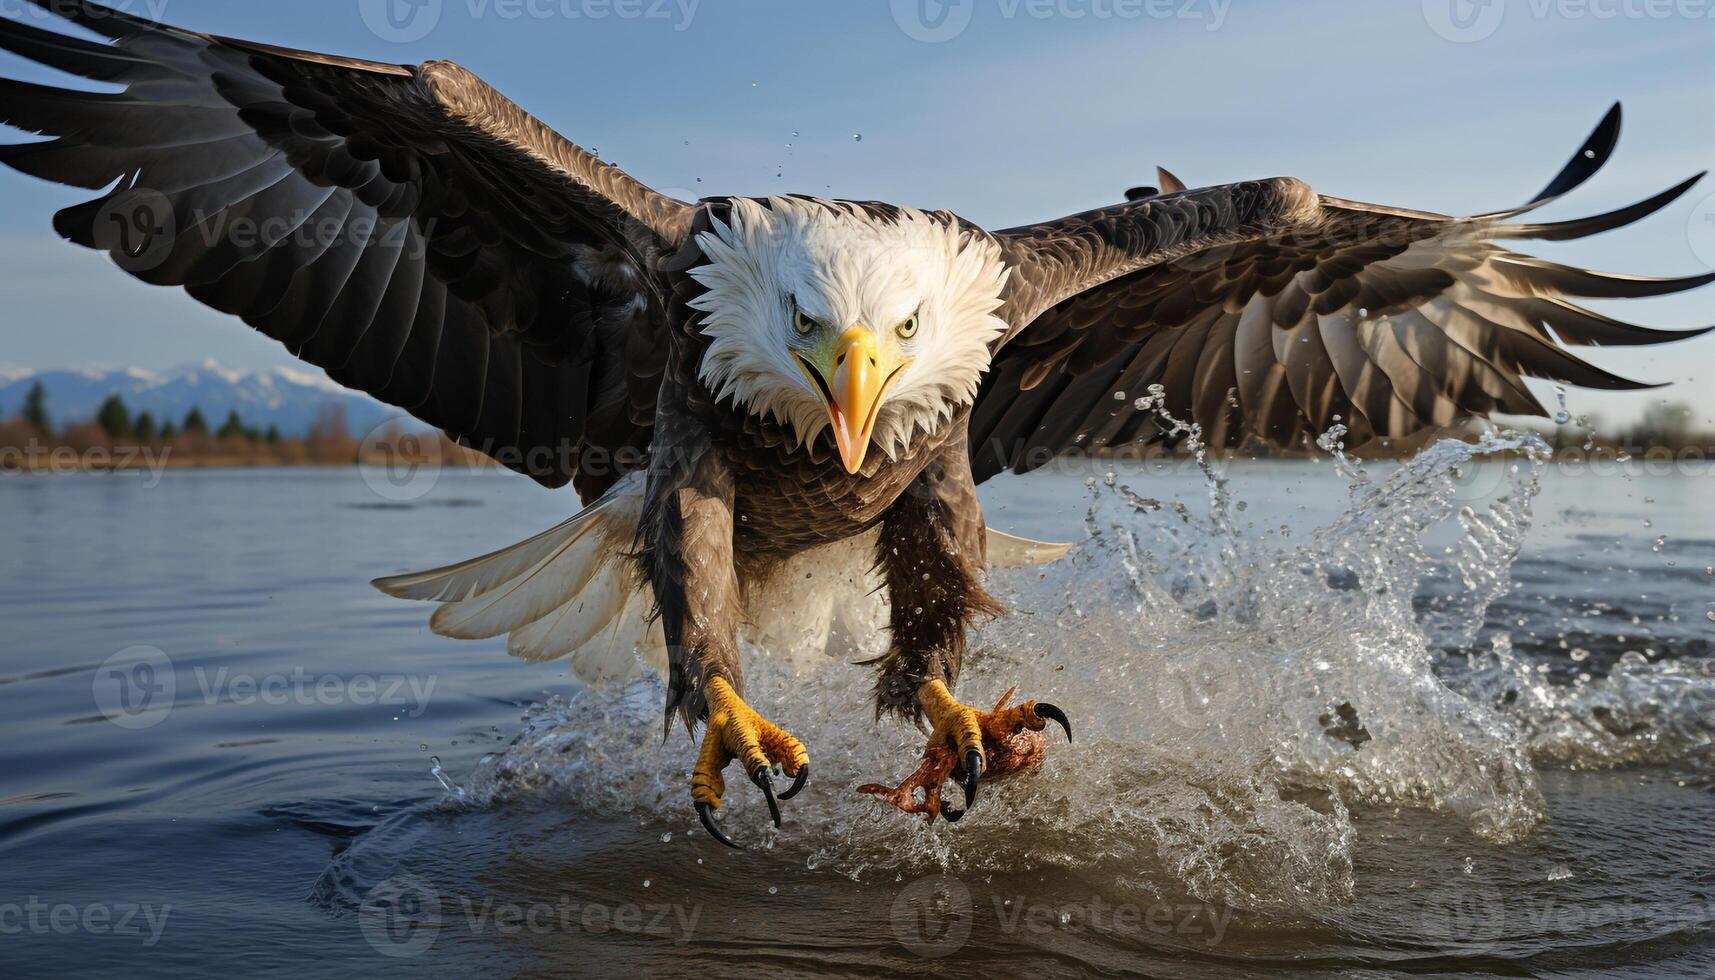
x: 453, y: 789
x: 1642, y: 712
x: 1238, y: 696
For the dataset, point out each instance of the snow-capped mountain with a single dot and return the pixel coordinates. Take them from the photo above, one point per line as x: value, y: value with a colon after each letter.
x: 288, y: 397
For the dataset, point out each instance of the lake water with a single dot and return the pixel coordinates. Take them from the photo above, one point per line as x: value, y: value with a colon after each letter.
x: 1457, y: 718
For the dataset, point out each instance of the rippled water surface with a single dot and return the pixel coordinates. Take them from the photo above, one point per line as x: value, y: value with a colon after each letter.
x: 1453, y: 717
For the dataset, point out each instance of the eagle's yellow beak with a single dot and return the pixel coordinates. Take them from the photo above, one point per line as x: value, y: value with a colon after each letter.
x: 853, y: 374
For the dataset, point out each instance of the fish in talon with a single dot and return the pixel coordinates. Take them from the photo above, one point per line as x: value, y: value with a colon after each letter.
x: 1012, y: 742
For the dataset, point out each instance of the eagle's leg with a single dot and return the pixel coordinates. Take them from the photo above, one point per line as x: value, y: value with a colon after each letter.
x: 932, y: 553
x: 686, y: 550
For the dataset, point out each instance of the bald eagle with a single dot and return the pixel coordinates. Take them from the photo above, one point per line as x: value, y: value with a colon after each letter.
x: 736, y: 383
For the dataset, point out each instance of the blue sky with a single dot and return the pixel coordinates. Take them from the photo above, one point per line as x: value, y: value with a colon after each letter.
x: 1007, y: 111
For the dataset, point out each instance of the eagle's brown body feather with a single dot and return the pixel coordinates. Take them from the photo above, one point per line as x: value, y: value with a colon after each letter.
x: 742, y: 483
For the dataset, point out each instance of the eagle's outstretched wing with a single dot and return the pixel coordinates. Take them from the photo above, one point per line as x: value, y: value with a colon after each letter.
x: 1268, y: 312
x: 407, y: 228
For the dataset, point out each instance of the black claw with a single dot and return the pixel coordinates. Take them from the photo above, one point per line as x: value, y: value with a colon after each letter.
x: 764, y: 780
x: 1051, y: 713
x: 797, y: 782
x: 705, y: 813
x: 949, y: 814
x: 973, y: 773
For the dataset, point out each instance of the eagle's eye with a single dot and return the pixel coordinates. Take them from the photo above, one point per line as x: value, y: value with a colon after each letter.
x: 908, y: 328
x: 801, y: 322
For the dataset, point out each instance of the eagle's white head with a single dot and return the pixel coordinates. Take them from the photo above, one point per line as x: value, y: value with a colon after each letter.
x: 820, y: 314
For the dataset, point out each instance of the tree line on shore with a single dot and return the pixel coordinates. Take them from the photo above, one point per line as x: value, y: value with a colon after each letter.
x: 31, y: 436
x: 1664, y: 427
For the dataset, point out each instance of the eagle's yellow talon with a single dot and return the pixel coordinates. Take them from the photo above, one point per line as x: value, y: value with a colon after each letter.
x: 736, y: 731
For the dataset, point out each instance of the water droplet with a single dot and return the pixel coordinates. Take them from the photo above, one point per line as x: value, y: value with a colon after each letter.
x: 857, y: 137
x: 1562, y: 417
x: 646, y: 882
x: 772, y: 890
x: 1119, y: 396
x: 667, y: 838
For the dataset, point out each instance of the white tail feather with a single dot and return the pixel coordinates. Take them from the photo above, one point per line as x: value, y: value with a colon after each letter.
x: 1011, y: 551
x: 564, y: 591
x: 569, y: 592
x: 531, y: 596
x: 479, y: 575
x: 573, y: 622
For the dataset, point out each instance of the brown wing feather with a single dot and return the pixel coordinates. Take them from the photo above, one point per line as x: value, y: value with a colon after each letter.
x: 1270, y: 313
x: 409, y: 229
